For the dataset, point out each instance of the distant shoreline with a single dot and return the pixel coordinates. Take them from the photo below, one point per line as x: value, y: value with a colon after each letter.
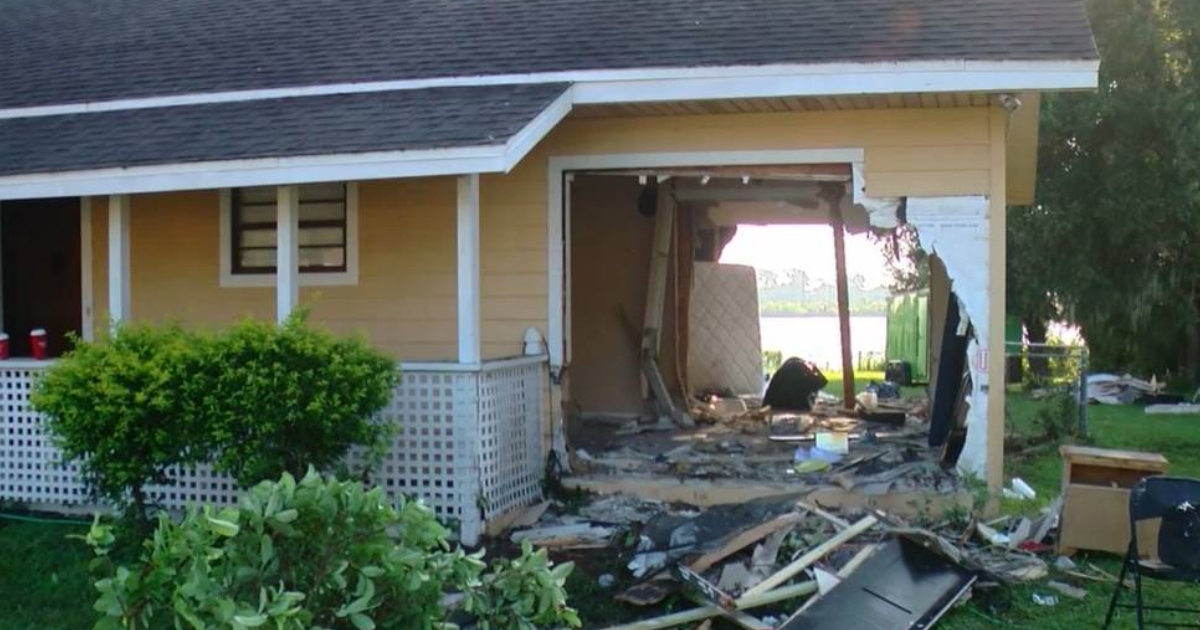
x: 808, y: 315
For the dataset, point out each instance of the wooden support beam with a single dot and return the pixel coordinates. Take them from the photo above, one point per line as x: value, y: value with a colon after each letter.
x: 843, y: 300
x: 660, y: 261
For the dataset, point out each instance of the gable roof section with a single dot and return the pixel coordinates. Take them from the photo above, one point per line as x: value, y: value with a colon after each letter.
x: 278, y: 141
x: 85, y: 51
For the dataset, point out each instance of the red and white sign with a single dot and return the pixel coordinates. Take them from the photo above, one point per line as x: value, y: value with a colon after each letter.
x: 3, y: 346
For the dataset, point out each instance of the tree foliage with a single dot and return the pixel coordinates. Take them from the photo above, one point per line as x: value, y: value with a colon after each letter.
x: 1111, y: 242
x: 319, y: 553
x: 118, y: 409
x: 282, y: 398
x: 257, y: 400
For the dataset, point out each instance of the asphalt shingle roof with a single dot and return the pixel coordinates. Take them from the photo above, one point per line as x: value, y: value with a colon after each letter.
x: 65, y: 51
x: 313, y: 125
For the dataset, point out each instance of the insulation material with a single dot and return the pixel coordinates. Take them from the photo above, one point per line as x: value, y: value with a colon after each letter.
x: 881, y: 211
x: 724, y: 341
x: 956, y: 229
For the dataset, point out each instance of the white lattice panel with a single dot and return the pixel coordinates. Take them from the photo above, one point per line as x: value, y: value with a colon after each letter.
x: 463, y: 439
x: 30, y: 466
x: 724, y: 339
x: 434, y: 442
x: 510, y: 425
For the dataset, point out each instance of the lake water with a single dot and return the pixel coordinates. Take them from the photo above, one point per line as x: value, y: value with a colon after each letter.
x: 818, y: 338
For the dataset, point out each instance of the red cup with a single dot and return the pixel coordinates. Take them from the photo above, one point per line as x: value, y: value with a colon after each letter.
x: 3, y: 346
x: 37, y: 343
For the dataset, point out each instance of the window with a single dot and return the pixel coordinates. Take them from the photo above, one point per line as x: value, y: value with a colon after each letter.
x: 322, y: 229
x: 327, y: 237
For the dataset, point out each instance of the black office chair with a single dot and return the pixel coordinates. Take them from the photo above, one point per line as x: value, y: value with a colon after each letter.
x: 1175, y: 500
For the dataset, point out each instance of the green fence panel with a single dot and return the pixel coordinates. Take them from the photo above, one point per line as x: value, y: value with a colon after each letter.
x: 908, y: 332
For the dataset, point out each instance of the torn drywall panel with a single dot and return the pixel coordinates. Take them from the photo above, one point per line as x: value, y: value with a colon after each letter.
x: 956, y: 229
x: 973, y: 458
x: 881, y: 211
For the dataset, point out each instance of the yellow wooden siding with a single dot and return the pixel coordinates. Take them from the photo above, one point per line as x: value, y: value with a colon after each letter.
x: 405, y: 300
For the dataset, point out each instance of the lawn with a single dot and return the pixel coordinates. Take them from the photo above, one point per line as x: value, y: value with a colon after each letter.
x: 44, y: 583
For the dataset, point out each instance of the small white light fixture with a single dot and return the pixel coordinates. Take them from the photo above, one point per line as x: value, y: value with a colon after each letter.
x: 704, y: 180
x: 641, y: 180
x: 745, y: 180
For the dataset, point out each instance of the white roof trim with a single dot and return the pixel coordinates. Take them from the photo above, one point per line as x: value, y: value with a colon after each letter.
x: 290, y: 170
x: 646, y: 84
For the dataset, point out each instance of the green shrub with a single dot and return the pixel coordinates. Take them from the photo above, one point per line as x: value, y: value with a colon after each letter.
x: 283, y: 398
x: 320, y: 553
x: 117, y: 408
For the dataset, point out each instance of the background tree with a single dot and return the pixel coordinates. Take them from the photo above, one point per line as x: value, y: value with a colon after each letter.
x: 1112, y: 242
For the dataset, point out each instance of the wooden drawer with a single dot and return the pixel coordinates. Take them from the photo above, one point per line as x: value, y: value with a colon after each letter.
x: 1097, y: 518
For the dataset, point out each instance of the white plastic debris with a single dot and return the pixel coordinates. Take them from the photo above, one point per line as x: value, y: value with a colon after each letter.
x: 1045, y: 600
x: 1023, y: 489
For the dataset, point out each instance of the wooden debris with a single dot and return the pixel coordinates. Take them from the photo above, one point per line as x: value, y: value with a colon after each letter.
x: 646, y: 593
x: 813, y: 555
x: 573, y: 536
x: 837, y: 521
x: 744, y: 539
x: 707, y: 612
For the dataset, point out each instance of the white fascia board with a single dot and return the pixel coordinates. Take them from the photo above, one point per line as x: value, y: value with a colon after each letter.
x: 522, y: 142
x: 254, y: 172
x: 610, y: 86
x: 828, y: 84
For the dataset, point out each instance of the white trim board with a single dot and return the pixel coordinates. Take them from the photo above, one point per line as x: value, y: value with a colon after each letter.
x: 674, y: 83
x: 558, y: 239
x: 229, y: 280
x: 499, y: 158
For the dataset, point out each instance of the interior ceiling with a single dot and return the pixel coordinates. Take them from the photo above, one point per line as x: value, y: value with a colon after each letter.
x: 789, y: 104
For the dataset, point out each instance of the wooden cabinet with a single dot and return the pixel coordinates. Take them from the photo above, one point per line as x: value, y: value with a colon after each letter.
x: 1095, y: 513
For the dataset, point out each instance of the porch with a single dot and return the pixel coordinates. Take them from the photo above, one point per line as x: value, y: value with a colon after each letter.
x: 468, y: 441
x: 472, y: 407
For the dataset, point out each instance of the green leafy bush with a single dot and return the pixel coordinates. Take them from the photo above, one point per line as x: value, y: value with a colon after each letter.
x: 118, y: 409
x: 283, y: 398
x: 320, y: 553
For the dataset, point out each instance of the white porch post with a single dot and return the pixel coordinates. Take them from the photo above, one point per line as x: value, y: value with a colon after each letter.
x: 469, y: 345
x: 118, y: 259
x: 287, y: 251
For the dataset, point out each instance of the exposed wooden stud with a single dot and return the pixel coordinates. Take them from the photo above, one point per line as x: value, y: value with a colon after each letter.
x: 843, y: 299
x: 287, y: 251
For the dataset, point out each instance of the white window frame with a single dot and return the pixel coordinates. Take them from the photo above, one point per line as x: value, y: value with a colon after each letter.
x: 349, y: 277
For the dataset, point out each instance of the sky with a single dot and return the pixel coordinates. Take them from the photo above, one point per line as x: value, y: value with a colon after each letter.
x: 807, y: 247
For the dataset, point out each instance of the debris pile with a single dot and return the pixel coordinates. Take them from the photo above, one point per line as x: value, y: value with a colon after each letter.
x: 785, y: 562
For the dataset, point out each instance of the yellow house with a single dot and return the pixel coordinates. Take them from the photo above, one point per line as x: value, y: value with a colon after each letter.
x: 410, y: 170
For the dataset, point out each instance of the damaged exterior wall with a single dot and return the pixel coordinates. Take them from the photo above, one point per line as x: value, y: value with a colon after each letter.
x: 955, y: 229
x: 913, y: 153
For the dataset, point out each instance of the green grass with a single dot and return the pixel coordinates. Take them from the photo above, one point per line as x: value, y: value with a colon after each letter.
x: 44, y: 583
x: 1124, y: 427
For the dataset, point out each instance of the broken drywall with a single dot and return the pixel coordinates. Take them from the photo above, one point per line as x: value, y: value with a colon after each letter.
x: 882, y: 212
x: 956, y: 229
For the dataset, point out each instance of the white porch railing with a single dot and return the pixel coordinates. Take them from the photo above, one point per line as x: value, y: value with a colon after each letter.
x: 469, y: 441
